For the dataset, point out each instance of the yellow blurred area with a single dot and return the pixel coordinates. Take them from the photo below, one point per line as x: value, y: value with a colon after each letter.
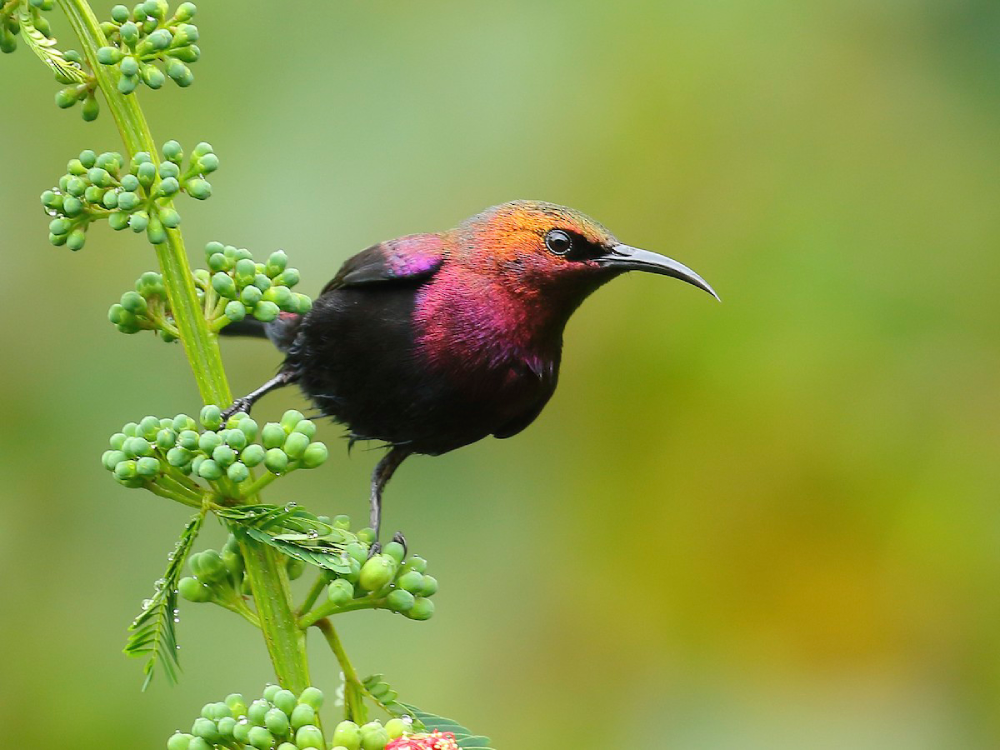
x: 771, y: 523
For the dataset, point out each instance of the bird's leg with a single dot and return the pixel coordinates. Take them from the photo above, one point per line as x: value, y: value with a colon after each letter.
x: 245, y: 403
x: 380, y: 477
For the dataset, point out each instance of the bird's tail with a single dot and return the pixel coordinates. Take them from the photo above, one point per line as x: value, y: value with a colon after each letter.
x: 281, y: 331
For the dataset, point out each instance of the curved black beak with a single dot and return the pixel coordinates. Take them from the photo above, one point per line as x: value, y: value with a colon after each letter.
x: 628, y: 258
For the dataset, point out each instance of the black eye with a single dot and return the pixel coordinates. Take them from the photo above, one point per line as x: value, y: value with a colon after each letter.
x: 558, y: 242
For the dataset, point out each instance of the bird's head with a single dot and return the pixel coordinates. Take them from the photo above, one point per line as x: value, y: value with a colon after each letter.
x: 545, y: 248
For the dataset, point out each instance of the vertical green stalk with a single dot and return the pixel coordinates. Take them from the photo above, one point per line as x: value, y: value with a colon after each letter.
x: 354, y: 692
x: 268, y: 578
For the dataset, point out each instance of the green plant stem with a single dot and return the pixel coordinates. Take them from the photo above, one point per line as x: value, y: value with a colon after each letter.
x: 327, y: 609
x: 268, y: 579
x: 354, y: 691
x: 319, y: 585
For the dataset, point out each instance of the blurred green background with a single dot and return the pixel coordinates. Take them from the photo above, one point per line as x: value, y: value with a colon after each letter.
x: 771, y: 523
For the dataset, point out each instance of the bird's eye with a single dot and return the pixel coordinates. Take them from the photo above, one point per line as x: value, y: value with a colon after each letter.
x: 558, y: 242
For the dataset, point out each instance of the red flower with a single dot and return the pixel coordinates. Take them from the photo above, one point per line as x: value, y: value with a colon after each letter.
x: 434, y: 741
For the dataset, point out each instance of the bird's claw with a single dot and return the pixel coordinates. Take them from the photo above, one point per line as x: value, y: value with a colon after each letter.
x: 375, y: 549
x: 400, y: 539
x: 240, y: 404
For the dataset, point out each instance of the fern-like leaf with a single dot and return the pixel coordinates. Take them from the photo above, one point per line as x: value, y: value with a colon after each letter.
x: 65, y: 71
x: 464, y: 737
x: 152, y: 634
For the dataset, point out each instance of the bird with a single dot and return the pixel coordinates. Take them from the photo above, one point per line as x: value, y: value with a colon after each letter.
x: 433, y: 341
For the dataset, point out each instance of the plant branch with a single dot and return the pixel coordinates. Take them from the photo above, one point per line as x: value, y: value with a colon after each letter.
x: 354, y: 690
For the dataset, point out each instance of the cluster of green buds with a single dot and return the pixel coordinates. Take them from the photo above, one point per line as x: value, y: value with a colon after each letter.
x: 10, y: 20
x: 146, y: 308
x: 147, y: 37
x: 218, y: 577
x: 169, y: 454
x: 137, y: 194
x: 235, y: 286
x: 389, y: 580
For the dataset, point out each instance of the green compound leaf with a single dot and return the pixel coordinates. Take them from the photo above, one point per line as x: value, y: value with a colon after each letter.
x: 464, y: 737
x: 293, y: 532
x: 152, y: 634
x: 385, y: 697
x: 45, y: 48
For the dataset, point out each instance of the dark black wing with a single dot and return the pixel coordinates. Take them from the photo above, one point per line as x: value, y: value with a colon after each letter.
x: 409, y: 259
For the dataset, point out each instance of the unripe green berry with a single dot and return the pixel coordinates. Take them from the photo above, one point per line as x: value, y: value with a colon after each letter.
x: 117, y: 440
x: 296, y: 568
x: 259, y: 708
x: 301, y: 715
x: 147, y: 467
x: 236, y: 704
x: 66, y: 98
x: 210, y: 417
x: 260, y: 738
x: 347, y: 734
x: 400, y: 600
x: 129, y: 66
x: 127, y: 84
x: 235, y: 311
x: 252, y: 455
x: 285, y: 701
x: 76, y: 239
x: 290, y: 419
x: 110, y: 459
x: 276, y: 461
x: 179, y: 741
x: 223, y: 284
x: 266, y: 311
x: 276, y: 721
x: 429, y: 586
x: 295, y: 445
x: 136, y: 446
x: 288, y: 277
x: 276, y: 263
x: 396, y: 551
x: 339, y: 592
x: 160, y: 39
x: 73, y: 206
x: 314, y: 455
x: 60, y: 226
x: 208, y: 163
x: 155, y: 231
x: 119, y: 14
x: 188, y: 439
x: 206, y: 729
x: 226, y: 725
x: 178, y: 457
x: 377, y: 572
x: 146, y: 173
x: 374, y: 736
x: 250, y: 296
x: 270, y: 691
x: 224, y: 456
x: 396, y: 728
x: 272, y: 436
x: 411, y: 581
x: 241, y: 732
x: 306, y: 427
x: 423, y: 609
x: 309, y: 736
x: 236, y: 438
x: 210, y: 470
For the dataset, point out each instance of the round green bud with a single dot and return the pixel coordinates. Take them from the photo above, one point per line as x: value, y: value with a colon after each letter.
x: 110, y: 160
x: 241, y: 732
x: 198, y: 188
x: 429, y: 586
x: 252, y: 455
x: 306, y: 427
x: 357, y: 551
x: 209, y: 441
x: 276, y: 461
x: 168, y: 169
x: 259, y: 708
x: 185, y: 11
x: 179, y: 741
x: 262, y: 282
x: 314, y: 455
x: 196, y: 463
x: 312, y: 697
x: 309, y: 736
x: 223, y: 284
x: 75, y: 187
x: 76, y: 239
x: 271, y: 690
x: 127, y: 84
x: 110, y: 459
x: 202, y: 148
x: 118, y: 220
x: 224, y: 456
x: 94, y: 195
x: 276, y: 722
x: 341, y: 522
x: 189, y: 439
x: 199, y: 743
x: 236, y: 439
x: 273, y: 435
x: 137, y: 446
x: 245, y: 271
x: 347, y: 734
x: 160, y: 39
x: 295, y: 445
x: 152, y: 76
x: 295, y: 569
x: 125, y: 470
x: 260, y: 738
x: 210, y: 470
x: 51, y: 199
x: 99, y: 177
x: 233, y: 561
x: 289, y: 746
x: 155, y: 231
x: 281, y: 296
x: 366, y: 535
x: 129, y: 66
x: 226, y: 725
x: 147, y: 467
x: 377, y: 572
x: 285, y: 701
x: 396, y: 551
x: 235, y: 311
x: 129, y: 183
x: 178, y: 457
x: 411, y: 581
x: 166, y: 439
x: 423, y: 609
x: 193, y: 590
x: 266, y: 311
x: 276, y: 263
x: 396, y: 728
x: 60, y: 226
x: 290, y: 419
x: 400, y: 600
x: 129, y: 33
x: 66, y: 98
x: 208, y: 566
x: 209, y: 162
x: 172, y: 151
x: 210, y: 417
x: 73, y: 206
x: 219, y: 262
x: 206, y: 729
x: 236, y: 704
x: 417, y: 563
x: 131, y: 429
x: 213, y: 247
x: 146, y: 173
x: 374, y: 736
x: 119, y: 14
x: 250, y: 296
x: 134, y: 303
x: 288, y: 277
x: 301, y: 715
x: 117, y: 440
x: 182, y: 422
x: 169, y: 186
x: 128, y: 201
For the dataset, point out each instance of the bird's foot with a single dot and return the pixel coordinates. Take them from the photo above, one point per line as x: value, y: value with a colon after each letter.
x: 398, y: 537
x: 374, y: 549
x: 241, y: 404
